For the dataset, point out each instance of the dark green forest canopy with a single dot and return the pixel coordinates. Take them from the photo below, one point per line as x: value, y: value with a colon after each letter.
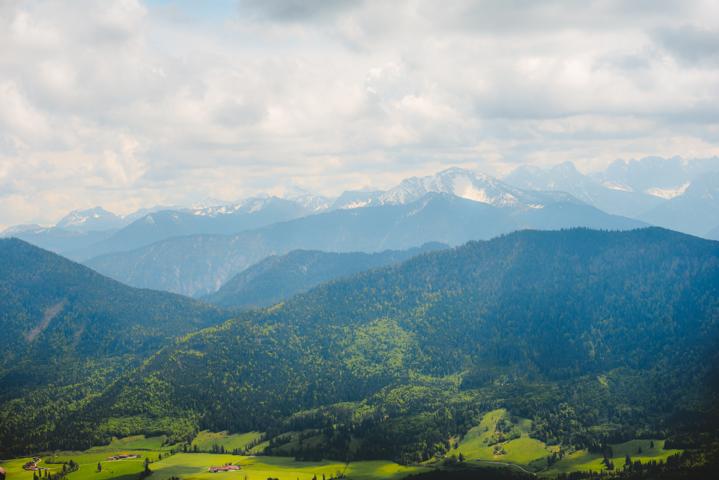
x: 592, y: 334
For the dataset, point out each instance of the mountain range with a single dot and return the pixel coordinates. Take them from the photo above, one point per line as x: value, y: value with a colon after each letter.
x: 194, y: 251
x: 198, y: 265
x: 593, y: 335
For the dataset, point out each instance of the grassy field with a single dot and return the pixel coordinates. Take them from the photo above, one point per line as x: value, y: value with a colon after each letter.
x: 14, y: 468
x: 206, y: 439
x: 195, y: 465
x: 523, y: 452
x: 478, y: 445
x: 88, y: 465
x: 582, y: 460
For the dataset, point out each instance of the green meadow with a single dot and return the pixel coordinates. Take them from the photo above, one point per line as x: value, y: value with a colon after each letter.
x: 195, y: 466
x: 192, y: 466
x: 638, y: 450
x: 497, y: 440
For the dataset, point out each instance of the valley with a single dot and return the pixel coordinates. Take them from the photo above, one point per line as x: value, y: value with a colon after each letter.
x: 497, y: 442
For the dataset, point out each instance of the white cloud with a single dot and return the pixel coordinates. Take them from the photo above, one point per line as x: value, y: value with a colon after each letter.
x: 125, y: 104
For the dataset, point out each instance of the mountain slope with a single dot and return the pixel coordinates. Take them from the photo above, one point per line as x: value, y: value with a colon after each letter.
x: 277, y: 278
x: 156, y: 226
x: 458, y: 182
x: 92, y: 219
x: 60, y: 309
x: 68, y: 331
x: 696, y: 211
x: 594, y: 335
x: 199, y: 265
x: 612, y: 197
x: 58, y: 240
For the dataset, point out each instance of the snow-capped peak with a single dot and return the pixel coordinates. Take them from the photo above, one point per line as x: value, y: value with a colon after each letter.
x: 462, y: 183
x: 455, y: 181
x: 313, y: 203
x: 96, y: 218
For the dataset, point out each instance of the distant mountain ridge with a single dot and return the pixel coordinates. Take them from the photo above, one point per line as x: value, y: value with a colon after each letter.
x: 640, y: 189
x: 461, y: 183
x: 696, y: 211
x: 198, y: 265
x: 228, y: 219
x: 611, y: 197
x: 277, y: 278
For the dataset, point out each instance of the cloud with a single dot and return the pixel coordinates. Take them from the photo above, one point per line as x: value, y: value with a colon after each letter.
x: 690, y: 45
x: 126, y: 104
x: 295, y: 10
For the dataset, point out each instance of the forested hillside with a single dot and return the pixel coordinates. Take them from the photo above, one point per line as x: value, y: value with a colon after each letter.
x: 592, y: 335
x: 68, y: 331
x: 279, y: 277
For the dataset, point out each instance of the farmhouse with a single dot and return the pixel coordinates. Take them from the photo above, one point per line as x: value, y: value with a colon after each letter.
x: 224, y: 468
x: 32, y: 465
x: 122, y: 456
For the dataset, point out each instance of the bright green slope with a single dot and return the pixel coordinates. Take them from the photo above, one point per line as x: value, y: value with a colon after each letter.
x: 525, y: 452
x: 206, y: 439
x: 14, y: 470
x: 582, y: 460
x: 483, y: 443
x: 195, y: 465
x: 192, y: 466
x: 88, y: 465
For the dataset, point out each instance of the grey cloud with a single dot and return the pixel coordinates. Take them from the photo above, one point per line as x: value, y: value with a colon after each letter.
x: 295, y: 10
x: 689, y: 44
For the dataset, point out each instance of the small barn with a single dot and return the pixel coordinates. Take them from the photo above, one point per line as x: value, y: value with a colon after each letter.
x: 224, y: 468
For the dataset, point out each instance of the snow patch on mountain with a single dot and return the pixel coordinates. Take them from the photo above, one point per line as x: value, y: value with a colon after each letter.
x: 620, y: 187
x: 473, y: 186
x: 668, y: 193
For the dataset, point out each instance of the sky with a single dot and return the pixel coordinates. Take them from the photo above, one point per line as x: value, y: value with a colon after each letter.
x: 128, y: 104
